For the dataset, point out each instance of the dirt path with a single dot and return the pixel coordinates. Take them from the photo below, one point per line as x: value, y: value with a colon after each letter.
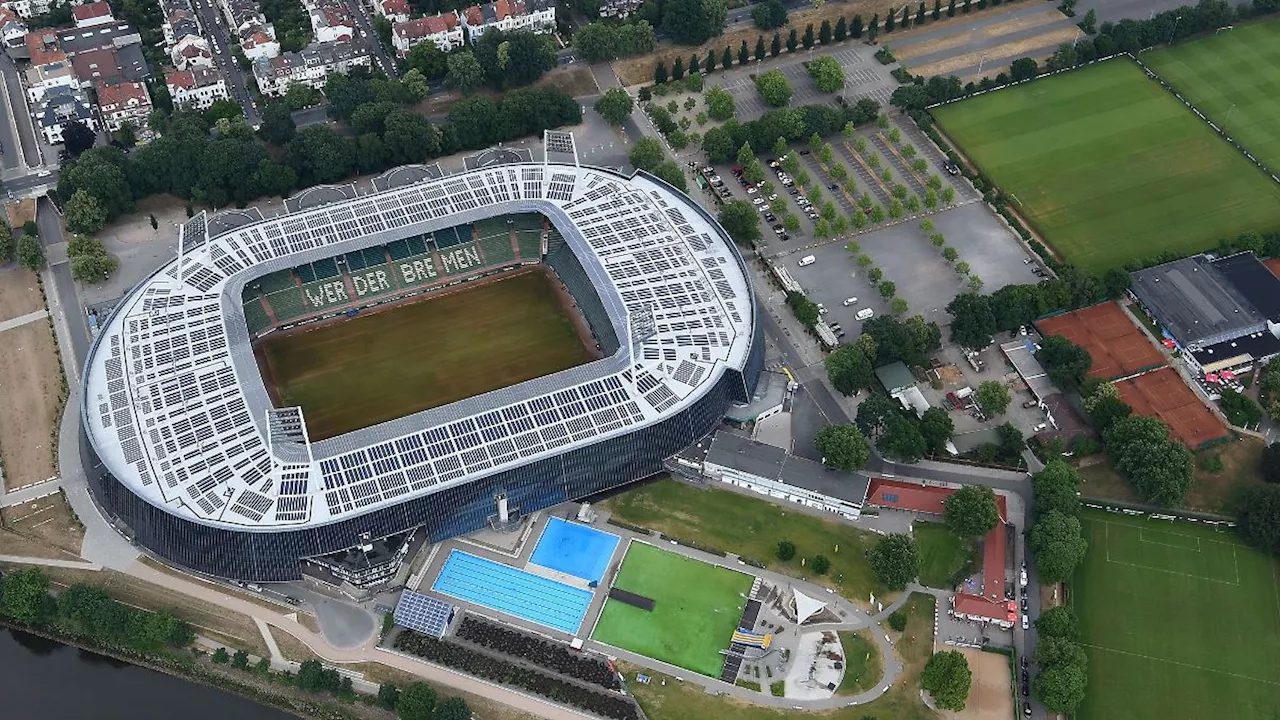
x: 29, y: 390
x: 991, y: 697
x: 975, y: 32
x: 1016, y: 49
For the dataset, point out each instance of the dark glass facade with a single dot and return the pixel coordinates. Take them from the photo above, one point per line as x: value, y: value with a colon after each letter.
x: 276, y: 555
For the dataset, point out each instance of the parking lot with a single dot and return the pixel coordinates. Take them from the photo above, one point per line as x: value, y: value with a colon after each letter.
x: 990, y: 248
x: 865, y: 77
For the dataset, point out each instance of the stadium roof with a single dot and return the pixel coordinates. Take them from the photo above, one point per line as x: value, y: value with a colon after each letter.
x: 1196, y: 302
x: 177, y: 410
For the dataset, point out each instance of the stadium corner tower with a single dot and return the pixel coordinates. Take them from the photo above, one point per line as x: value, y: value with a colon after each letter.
x: 186, y: 453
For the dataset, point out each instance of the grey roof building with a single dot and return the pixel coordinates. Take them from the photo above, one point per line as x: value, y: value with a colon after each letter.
x: 764, y: 468
x: 1197, y: 303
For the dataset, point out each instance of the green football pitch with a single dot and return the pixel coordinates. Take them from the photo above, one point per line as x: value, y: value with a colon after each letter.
x: 389, y: 364
x: 1110, y: 167
x: 1234, y: 79
x: 1178, y: 620
x: 696, y: 608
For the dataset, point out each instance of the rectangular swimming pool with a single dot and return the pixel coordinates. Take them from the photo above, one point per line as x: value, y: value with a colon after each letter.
x: 513, y: 591
x: 574, y: 549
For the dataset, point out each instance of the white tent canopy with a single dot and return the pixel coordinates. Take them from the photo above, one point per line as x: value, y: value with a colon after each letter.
x: 807, y: 607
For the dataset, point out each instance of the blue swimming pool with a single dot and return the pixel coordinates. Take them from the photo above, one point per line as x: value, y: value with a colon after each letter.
x: 513, y: 591
x: 574, y: 549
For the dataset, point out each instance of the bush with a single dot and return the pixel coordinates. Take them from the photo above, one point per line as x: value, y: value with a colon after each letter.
x: 786, y: 550
x: 538, y: 651
x: 820, y: 564
x: 898, y: 621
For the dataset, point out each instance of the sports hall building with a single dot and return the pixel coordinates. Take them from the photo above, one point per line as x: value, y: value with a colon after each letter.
x: 187, y: 455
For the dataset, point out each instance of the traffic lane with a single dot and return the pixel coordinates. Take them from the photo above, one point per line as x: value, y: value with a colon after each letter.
x: 17, y: 101
x: 11, y: 151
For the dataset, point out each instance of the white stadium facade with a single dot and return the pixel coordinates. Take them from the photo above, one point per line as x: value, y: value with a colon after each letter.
x: 187, y: 455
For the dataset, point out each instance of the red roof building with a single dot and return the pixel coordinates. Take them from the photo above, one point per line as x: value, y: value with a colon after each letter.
x: 42, y: 46
x: 124, y: 102
x: 90, y: 14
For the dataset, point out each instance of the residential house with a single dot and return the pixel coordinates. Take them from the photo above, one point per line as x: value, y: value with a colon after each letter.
x: 179, y: 21
x: 30, y: 8
x: 115, y: 49
x: 445, y: 31
x: 619, y: 8
x: 126, y: 102
x: 256, y: 36
x: 191, y: 51
x: 537, y: 16
x: 13, y: 32
x: 310, y: 66
x: 92, y: 14
x: 330, y: 21
x: 41, y: 79
x: 42, y: 47
x: 393, y: 10
x: 197, y: 88
x: 59, y: 107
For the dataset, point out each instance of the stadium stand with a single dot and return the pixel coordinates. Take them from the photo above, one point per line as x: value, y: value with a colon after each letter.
x: 455, y: 235
x: 318, y: 270
x: 276, y: 281
x: 401, y: 249
x: 528, y: 229
x: 255, y: 316
x: 497, y: 249
x: 561, y: 259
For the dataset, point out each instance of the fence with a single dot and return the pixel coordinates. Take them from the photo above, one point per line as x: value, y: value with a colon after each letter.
x: 1152, y: 512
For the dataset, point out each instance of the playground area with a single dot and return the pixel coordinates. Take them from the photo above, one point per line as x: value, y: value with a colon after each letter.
x: 692, y: 613
x: 1164, y: 395
x: 1118, y: 347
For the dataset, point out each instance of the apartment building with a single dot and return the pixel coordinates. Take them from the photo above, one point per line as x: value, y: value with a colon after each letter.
x: 537, y: 16
x: 92, y: 14
x: 331, y: 21
x: 191, y: 51
x: 393, y: 10
x: 250, y: 29
x: 125, y: 102
x: 310, y: 66
x: 444, y: 30
x: 60, y: 106
x: 197, y: 88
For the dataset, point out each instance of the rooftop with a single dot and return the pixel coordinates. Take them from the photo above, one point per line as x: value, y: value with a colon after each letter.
x: 1254, y: 281
x: 1022, y: 354
x: 90, y: 11
x: 755, y: 458
x: 1195, y: 301
x: 895, y: 377
x: 113, y: 94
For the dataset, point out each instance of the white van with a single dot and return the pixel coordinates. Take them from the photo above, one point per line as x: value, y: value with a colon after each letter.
x: 865, y: 314
x: 807, y: 260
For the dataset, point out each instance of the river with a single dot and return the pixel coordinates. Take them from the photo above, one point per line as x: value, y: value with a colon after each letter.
x: 45, y: 680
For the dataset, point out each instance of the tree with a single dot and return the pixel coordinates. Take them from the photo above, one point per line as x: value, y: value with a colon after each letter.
x: 240, y: 660
x: 743, y: 54
x: 769, y: 15
x: 677, y: 70
x: 993, y: 397
x: 30, y: 252
x: 792, y: 41
x: 1066, y: 363
x: 1023, y: 69
x: 894, y: 560
x: 856, y: 29
x: 1239, y: 408
x: 24, y: 596
x: 807, y: 40
x: 827, y: 73
x: 615, y: 106
x: 1160, y: 469
x: 1058, y: 622
x: 775, y: 48
x: 887, y: 289
x: 1060, y: 687
x: 1270, y: 463
x: 1055, y: 488
x: 842, y: 29
x: 84, y: 213
x: 946, y: 677
x: 973, y: 322
x: 937, y: 10
x: 464, y: 72
x: 874, y: 412
x: 842, y: 447
x: 417, y: 702
x: 824, y: 33
x: 1057, y: 545
x: 971, y: 511
x: 901, y: 440
x: 806, y: 311
x: 785, y: 550
x: 936, y: 427
x: 89, y: 259
x: 740, y: 219
x: 647, y: 153
x: 693, y: 22
x: 76, y: 138
x: 1104, y: 406
x: 671, y: 172
x: 1258, y: 517
x: 849, y: 370
x: 1064, y: 57
x: 726, y: 60
x: 220, y: 656
x: 720, y: 104
x: 759, y: 53
x: 452, y: 708
x: 889, y: 21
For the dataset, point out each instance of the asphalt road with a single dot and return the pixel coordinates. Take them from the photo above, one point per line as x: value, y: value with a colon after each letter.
x: 357, y: 10
x: 47, y: 220
x: 17, y: 105
x: 215, y: 31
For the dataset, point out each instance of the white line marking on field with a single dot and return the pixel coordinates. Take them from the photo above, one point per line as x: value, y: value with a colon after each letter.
x: 1175, y: 572
x: 1182, y: 664
x: 1143, y: 538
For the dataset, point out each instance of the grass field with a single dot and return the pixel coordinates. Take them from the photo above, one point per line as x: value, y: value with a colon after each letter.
x: 696, y: 609
x: 752, y: 528
x: 686, y: 701
x: 1179, y: 621
x: 942, y: 554
x: 390, y: 364
x: 863, y: 664
x: 1110, y: 167
x: 1232, y: 77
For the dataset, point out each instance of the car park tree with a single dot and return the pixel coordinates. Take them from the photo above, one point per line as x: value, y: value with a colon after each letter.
x: 843, y: 447
x: 849, y: 370
x: 972, y: 322
x: 740, y: 219
x: 971, y: 511
x: 1066, y: 363
x: 1159, y: 468
x: 993, y: 397
x: 827, y: 73
x: 615, y: 106
x: 936, y: 426
x: 1057, y: 545
x: 647, y: 153
x: 1055, y: 488
x: 894, y: 560
x: 774, y: 88
x: 902, y: 440
x: 947, y: 678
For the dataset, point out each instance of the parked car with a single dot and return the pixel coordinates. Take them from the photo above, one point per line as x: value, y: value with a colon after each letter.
x: 757, y: 201
x: 850, y: 301
x: 773, y: 197
x: 951, y: 168
x: 833, y: 186
x: 1026, y: 708
x: 715, y: 180
x: 751, y: 190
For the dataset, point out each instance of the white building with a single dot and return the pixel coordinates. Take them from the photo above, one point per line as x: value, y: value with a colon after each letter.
x: 31, y: 8
x: 60, y: 106
x: 12, y: 30
x: 191, y: 51
x: 92, y: 14
x: 124, y: 102
x: 445, y: 31
x: 309, y: 67
x: 41, y: 79
x: 330, y: 21
x: 537, y: 16
x: 197, y: 88
x: 393, y: 10
x: 256, y: 36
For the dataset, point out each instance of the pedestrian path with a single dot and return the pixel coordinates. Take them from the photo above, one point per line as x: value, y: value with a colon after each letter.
x: 23, y: 320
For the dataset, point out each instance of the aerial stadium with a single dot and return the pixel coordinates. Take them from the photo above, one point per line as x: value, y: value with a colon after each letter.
x: 436, y: 356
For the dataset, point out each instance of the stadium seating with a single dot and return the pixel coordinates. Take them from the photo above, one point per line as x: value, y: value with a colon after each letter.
x: 497, y: 249
x: 255, y: 316
x: 275, y: 281
x: 570, y: 272
x: 456, y: 235
x: 530, y: 244
x: 401, y: 249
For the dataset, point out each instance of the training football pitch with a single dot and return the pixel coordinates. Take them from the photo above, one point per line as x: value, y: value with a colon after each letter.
x: 696, y: 609
x: 1109, y: 167
x: 1233, y: 78
x: 389, y: 364
x: 1178, y: 620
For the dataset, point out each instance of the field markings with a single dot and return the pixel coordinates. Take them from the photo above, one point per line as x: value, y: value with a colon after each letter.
x: 1142, y: 538
x: 1182, y: 664
x: 1107, y: 543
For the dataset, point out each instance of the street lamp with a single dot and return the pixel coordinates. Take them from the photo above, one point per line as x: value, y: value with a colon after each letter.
x: 1175, y: 28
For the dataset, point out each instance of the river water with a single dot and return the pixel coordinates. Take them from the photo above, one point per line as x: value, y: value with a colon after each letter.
x: 45, y: 680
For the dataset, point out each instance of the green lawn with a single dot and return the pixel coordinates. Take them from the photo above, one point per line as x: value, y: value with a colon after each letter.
x: 1233, y: 78
x: 1110, y: 167
x: 751, y: 528
x: 863, y: 665
x: 942, y: 554
x: 696, y: 609
x: 1179, y: 621
x: 386, y: 365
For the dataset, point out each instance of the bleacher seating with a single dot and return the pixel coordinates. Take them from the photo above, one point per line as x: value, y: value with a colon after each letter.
x: 530, y: 244
x: 456, y: 235
x: 255, y: 317
x: 361, y: 259
x: 276, y: 281
x: 570, y: 272
x: 401, y: 249
x: 318, y: 270
x: 287, y: 304
x: 497, y: 249
x: 526, y: 221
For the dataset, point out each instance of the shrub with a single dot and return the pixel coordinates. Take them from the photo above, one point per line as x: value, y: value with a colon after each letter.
x: 898, y: 620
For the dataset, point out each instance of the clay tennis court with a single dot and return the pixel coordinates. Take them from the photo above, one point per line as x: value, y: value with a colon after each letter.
x: 1118, y: 347
x: 991, y: 696
x: 1162, y: 394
